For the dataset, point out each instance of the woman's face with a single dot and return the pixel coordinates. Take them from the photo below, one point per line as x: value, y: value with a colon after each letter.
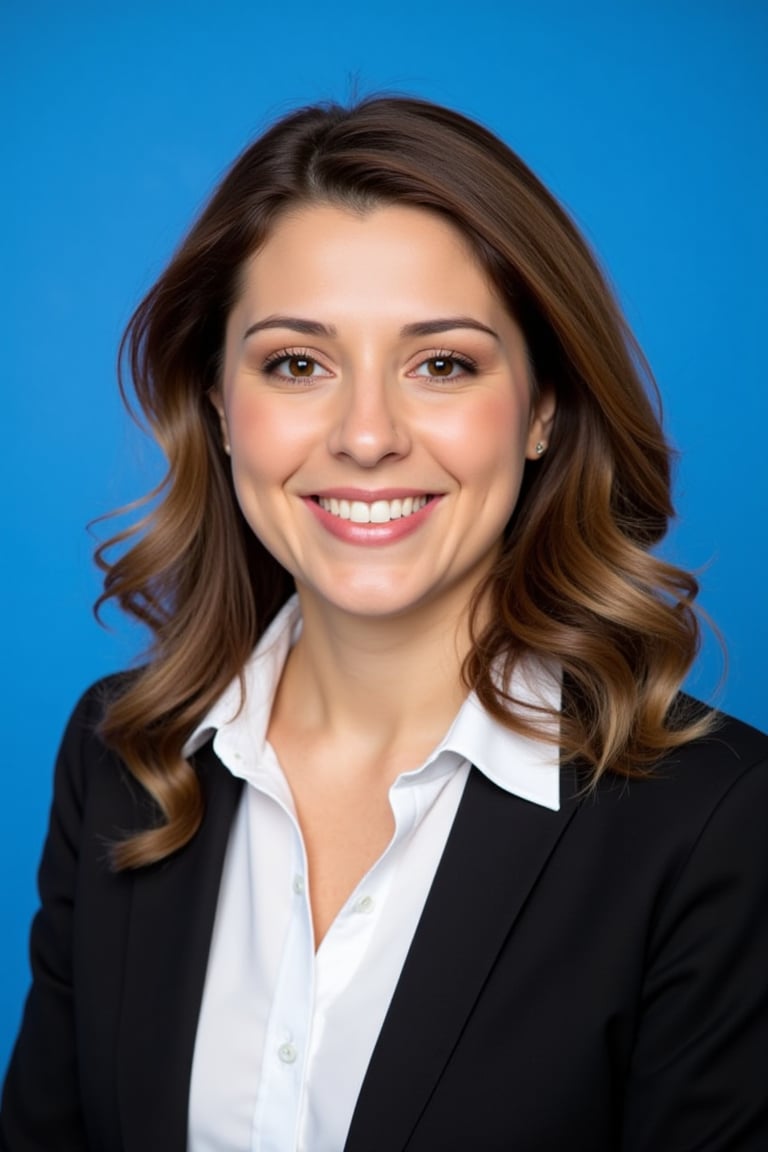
x: 377, y: 401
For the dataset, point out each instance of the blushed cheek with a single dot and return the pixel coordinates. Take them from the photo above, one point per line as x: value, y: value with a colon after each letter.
x: 257, y: 433
x: 245, y: 417
x: 491, y: 435
x: 506, y: 418
x: 271, y: 438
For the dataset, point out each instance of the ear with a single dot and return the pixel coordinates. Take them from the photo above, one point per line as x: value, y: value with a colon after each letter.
x: 540, y: 426
x: 215, y: 398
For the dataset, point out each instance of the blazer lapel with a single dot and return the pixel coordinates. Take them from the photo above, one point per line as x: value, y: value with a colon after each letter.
x: 497, y: 847
x: 173, y: 906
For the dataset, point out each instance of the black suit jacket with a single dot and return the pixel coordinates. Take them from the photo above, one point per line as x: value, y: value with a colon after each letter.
x: 590, y: 979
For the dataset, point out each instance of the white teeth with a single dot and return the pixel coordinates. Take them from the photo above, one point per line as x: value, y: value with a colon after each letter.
x: 379, y: 512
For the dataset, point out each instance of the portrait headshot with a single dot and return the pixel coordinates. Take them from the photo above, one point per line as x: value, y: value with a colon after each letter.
x: 389, y: 767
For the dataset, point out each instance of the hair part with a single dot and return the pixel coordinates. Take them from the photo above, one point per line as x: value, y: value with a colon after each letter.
x: 576, y: 582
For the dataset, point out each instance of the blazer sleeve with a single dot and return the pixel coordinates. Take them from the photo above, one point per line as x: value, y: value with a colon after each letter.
x: 699, y: 1072
x: 40, y: 1105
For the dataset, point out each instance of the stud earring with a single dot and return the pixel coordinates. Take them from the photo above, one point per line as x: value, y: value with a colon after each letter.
x: 540, y: 448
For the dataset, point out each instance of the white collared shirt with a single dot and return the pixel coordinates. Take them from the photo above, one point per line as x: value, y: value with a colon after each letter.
x: 285, y: 1034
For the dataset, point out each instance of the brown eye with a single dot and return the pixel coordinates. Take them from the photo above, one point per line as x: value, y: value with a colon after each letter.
x: 300, y: 366
x: 447, y: 366
x: 441, y: 366
x: 295, y: 366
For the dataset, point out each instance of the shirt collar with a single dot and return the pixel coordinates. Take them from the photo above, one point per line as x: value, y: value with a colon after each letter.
x: 524, y: 766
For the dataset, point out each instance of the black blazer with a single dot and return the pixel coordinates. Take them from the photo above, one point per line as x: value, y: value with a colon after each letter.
x: 591, y: 979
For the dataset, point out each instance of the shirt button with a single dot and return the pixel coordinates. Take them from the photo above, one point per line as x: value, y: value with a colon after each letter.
x: 299, y: 885
x: 364, y: 904
x: 287, y: 1053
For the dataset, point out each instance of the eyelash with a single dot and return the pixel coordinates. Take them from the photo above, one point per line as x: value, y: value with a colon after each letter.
x: 271, y: 363
x: 282, y: 354
x: 468, y: 367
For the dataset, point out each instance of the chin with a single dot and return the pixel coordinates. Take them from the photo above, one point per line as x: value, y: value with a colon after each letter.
x: 371, y: 600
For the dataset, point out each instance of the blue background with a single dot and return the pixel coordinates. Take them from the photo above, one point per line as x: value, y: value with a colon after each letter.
x: 648, y: 119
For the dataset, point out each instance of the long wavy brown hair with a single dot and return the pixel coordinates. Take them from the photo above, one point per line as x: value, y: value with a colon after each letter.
x: 576, y: 582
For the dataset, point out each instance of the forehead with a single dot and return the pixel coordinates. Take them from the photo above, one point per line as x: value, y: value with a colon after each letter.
x: 389, y: 259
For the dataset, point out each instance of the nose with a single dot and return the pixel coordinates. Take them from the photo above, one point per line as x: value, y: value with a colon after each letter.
x: 370, y: 425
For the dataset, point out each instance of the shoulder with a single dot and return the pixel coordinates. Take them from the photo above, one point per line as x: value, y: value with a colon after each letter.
x: 85, y: 763
x: 97, y: 696
x: 730, y: 747
x: 92, y: 779
x: 706, y: 770
x: 722, y: 781
x: 710, y: 791
x: 701, y: 771
x: 83, y: 728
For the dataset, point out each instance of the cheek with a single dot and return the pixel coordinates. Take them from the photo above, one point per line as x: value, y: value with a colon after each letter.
x: 486, y: 439
x: 262, y: 458
x: 267, y: 438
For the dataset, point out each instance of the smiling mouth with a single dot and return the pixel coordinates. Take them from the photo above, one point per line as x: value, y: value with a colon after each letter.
x: 377, y: 512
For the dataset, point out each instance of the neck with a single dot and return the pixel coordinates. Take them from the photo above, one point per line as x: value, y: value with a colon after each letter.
x: 383, y: 683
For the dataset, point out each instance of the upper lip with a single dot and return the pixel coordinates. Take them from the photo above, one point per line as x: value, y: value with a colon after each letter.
x: 369, y: 497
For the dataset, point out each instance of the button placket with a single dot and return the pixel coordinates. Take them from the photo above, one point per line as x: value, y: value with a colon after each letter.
x: 283, y: 1086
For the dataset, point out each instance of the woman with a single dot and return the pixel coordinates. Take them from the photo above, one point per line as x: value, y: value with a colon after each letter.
x: 404, y: 836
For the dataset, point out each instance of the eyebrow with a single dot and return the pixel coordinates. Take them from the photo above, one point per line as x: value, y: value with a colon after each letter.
x: 295, y: 323
x: 420, y: 328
